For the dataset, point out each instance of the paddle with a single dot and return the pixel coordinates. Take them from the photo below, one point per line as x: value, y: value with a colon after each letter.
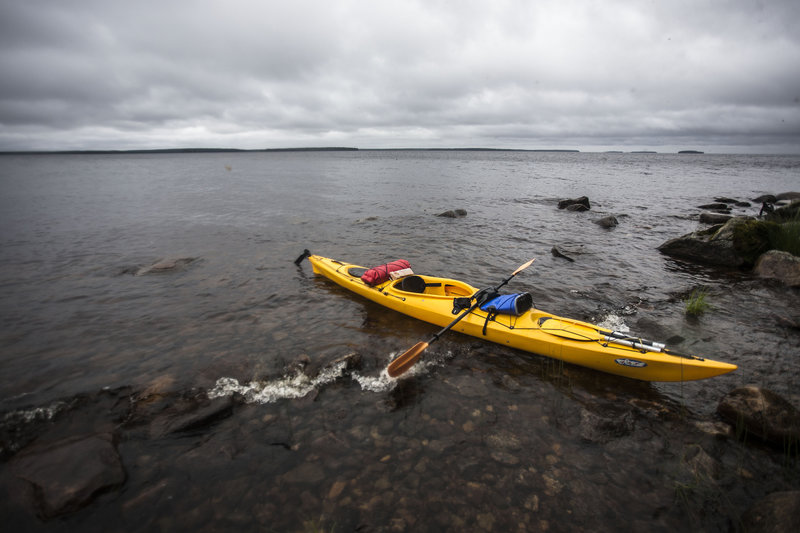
x: 406, y: 360
x: 643, y: 345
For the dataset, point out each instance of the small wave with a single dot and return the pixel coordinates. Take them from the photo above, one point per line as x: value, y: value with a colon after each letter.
x: 299, y: 384
x: 379, y: 383
x: 35, y: 413
x: 614, y: 323
x: 295, y: 386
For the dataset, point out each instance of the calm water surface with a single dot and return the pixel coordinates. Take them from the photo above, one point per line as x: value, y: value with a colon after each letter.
x: 479, y: 438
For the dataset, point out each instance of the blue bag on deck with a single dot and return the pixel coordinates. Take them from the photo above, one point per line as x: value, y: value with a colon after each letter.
x: 509, y: 304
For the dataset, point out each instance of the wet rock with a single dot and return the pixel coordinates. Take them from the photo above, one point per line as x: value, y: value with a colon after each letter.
x: 67, y: 475
x: 166, y: 265
x: 737, y: 243
x: 575, y: 204
x: 557, y: 253
x: 607, y: 222
x: 504, y: 440
x: 599, y: 429
x: 762, y: 413
x: 454, y: 213
x: 191, y: 413
x: 468, y: 385
x: 714, y: 429
x: 306, y: 473
x: 716, y: 205
x: 768, y: 198
x: 779, y: 511
x: 504, y: 457
x: 787, y: 196
x: 782, y: 266
x: 702, y: 465
x: 714, y: 218
x: 298, y: 364
x: 351, y: 361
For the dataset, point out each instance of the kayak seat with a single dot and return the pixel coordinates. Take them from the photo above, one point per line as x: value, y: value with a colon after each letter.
x: 415, y: 284
x: 356, y: 272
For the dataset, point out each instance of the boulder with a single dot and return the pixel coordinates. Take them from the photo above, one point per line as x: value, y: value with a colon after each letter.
x: 607, y: 222
x: 715, y: 205
x: 68, y: 474
x: 763, y: 414
x: 782, y: 266
x: 575, y: 204
x: 791, y: 196
x: 779, y: 511
x: 714, y: 218
x: 768, y: 198
x: 453, y: 213
x: 737, y: 243
x: 701, y: 247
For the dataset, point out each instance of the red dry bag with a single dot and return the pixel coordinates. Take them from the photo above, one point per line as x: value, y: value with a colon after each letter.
x: 379, y: 274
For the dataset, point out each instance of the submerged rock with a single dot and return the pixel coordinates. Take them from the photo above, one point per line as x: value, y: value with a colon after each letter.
x: 190, y: 413
x: 557, y: 253
x: 166, y: 265
x: 67, y: 475
x: 779, y: 511
x: 762, y: 413
x: 453, y: 213
x: 600, y: 429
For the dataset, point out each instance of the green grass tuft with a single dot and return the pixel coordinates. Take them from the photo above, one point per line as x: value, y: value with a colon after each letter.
x: 696, y: 303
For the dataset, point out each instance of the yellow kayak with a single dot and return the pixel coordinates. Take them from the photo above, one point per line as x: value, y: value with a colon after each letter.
x: 432, y: 299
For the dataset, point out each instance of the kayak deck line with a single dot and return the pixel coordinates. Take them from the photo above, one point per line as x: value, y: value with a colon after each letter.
x: 535, y: 331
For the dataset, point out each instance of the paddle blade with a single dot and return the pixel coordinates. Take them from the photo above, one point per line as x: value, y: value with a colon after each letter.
x: 523, y: 267
x: 406, y: 360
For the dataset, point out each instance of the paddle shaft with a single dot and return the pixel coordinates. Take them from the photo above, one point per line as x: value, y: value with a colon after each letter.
x: 477, y: 303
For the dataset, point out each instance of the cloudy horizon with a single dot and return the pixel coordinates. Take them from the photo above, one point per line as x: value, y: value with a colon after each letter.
x: 711, y: 75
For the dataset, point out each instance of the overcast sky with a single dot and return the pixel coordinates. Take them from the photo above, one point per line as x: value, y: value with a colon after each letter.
x: 714, y: 75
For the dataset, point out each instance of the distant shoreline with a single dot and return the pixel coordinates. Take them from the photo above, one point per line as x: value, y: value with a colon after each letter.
x: 312, y: 149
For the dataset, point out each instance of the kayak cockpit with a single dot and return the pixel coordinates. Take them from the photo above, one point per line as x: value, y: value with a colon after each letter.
x: 433, y: 286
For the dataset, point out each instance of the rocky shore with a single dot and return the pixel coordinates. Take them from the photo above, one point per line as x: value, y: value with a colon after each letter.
x: 125, y: 453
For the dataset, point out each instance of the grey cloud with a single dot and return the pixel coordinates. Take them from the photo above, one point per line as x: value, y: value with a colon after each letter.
x: 252, y: 74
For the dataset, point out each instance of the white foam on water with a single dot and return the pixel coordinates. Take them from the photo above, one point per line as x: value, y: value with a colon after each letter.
x: 380, y: 383
x: 299, y: 384
x: 294, y: 386
x: 614, y: 323
x: 36, y: 413
x: 383, y: 382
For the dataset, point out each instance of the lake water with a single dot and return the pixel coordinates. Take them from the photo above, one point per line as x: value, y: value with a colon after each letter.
x: 480, y: 437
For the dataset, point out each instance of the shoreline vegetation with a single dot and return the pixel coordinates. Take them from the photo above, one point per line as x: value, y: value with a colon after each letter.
x: 314, y: 149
